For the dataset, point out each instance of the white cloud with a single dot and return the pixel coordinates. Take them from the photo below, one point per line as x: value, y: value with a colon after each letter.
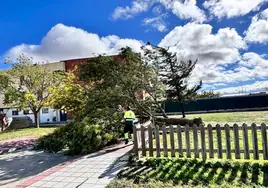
x: 258, y: 29
x: 183, y: 9
x: 219, y: 59
x: 137, y: 6
x: 196, y: 41
x: 63, y: 42
x: 232, y: 8
x: 156, y: 22
x: 248, y: 88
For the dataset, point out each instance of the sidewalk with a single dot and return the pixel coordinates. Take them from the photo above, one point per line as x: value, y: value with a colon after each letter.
x: 95, y: 170
x: 11, y: 145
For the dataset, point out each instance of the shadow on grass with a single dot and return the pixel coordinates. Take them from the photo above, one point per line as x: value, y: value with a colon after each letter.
x: 195, y: 172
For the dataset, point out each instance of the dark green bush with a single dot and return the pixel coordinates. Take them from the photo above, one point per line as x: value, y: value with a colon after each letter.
x: 80, y: 137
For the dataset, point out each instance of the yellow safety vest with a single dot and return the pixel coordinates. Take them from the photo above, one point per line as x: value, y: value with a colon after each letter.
x: 129, y: 116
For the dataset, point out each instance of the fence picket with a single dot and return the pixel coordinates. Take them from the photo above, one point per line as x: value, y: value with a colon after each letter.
x: 195, y: 137
x: 245, y: 139
x: 203, y: 141
x: 157, y: 140
x: 150, y: 134
x: 143, y: 144
x: 136, y: 150
x: 264, y: 141
x: 236, y: 142
x: 164, y: 134
x: 218, y: 129
x: 210, y: 140
x: 179, y: 140
x: 255, y: 141
x: 228, y: 144
x: 187, y: 140
x: 172, y: 143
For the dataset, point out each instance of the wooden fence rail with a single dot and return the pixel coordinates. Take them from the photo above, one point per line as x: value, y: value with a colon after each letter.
x: 230, y: 142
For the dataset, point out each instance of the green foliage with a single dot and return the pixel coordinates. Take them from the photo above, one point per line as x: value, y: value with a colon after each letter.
x: 70, y: 95
x: 193, y: 172
x: 26, y: 85
x: 207, y: 94
x: 80, y: 137
x: 120, y: 80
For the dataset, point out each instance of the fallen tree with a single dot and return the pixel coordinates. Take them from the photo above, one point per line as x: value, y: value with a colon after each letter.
x: 179, y: 121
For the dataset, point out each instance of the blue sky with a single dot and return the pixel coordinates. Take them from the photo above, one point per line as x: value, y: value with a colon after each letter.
x: 229, y: 38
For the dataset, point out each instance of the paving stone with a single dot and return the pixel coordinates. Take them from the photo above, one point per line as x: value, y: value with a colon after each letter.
x: 87, y: 175
x: 79, y: 180
x: 69, y: 179
x: 86, y: 185
x: 72, y: 185
x: 39, y: 183
x: 58, y: 178
x: 60, y: 185
x: 77, y: 174
x: 92, y: 180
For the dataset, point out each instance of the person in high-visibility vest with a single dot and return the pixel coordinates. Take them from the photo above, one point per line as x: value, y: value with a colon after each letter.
x: 129, y: 118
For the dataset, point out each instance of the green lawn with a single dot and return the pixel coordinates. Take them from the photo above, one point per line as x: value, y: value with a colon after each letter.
x: 166, y: 172
x: 26, y: 132
x: 231, y: 117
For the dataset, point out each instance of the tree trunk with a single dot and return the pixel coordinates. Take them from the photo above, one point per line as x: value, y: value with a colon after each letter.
x: 179, y: 121
x: 182, y: 110
x: 36, y: 120
x: 164, y: 113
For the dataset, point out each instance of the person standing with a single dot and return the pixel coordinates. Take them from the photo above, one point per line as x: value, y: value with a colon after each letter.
x: 129, y: 118
x: 3, y: 121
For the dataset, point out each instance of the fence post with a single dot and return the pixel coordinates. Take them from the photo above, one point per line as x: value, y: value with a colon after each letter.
x: 179, y: 140
x: 143, y: 144
x: 264, y: 141
x: 245, y: 138
x: 187, y: 139
x: 172, y: 141
x: 255, y: 141
x: 157, y: 140
x: 203, y: 142
x: 236, y: 140
x: 150, y: 136
x: 218, y: 129
x: 196, y: 148
x: 164, y: 134
x: 136, y: 149
x: 210, y: 139
x: 228, y: 144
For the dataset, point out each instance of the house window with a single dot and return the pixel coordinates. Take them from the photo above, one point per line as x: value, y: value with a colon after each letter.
x: 44, y: 110
x: 26, y: 112
x: 15, y: 112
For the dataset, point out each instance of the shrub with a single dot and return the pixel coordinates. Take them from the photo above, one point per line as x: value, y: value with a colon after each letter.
x: 80, y: 137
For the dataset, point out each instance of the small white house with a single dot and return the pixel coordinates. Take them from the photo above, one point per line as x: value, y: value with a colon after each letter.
x: 46, y: 115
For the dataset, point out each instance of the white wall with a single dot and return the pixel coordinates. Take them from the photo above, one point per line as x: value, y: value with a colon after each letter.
x: 43, y: 116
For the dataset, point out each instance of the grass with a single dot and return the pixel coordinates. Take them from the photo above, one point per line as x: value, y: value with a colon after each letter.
x: 26, y: 132
x: 232, y: 117
x: 192, y: 173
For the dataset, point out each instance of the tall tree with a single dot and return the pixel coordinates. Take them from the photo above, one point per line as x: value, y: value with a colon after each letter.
x: 26, y: 85
x: 174, y: 73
